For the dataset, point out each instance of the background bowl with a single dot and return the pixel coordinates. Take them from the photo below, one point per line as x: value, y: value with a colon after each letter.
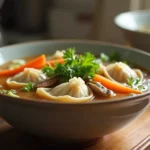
x: 135, y: 26
x: 72, y: 122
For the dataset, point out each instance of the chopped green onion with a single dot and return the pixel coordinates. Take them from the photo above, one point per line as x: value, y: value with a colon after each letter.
x: 12, y: 94
x: 28, y: 88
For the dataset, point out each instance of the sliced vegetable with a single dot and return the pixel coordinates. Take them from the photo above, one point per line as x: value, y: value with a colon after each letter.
x: 116, y: 87
x: 28, y: 88
x: 37, y: 63
x: 53, y: 62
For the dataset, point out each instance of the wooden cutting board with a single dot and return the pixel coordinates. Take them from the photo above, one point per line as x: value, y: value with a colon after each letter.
x: 135, y: 136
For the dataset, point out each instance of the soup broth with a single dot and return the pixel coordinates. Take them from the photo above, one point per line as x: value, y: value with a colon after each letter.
x: 96, y: 96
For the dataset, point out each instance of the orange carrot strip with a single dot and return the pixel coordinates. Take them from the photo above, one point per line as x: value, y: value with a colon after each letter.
x: 52, y: 62
x: 116, y: 87
x: 37, y: 63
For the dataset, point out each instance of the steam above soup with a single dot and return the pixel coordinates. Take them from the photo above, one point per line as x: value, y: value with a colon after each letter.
x: 69, y: 77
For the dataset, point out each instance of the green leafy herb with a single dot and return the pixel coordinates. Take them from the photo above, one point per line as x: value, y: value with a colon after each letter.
x: 10, y: 93
x: 83, y: 66
x: 136, y: 84
x: 13, y: 91
x: 104, y: 57
x: 48, y: 70
x: 28, y: 88
x: 115, y: 56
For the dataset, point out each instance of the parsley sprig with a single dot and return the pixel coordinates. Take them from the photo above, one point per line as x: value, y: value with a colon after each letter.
x: 83, y: 66
x: 136, y: 84
x: 28, y: 88
x: 48, y: 70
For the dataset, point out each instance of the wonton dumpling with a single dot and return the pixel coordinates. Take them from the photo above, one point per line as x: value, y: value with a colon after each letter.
x: 57, y: 55
x: 23, y: 78
x: 73, y: 91
x: 120, y: 72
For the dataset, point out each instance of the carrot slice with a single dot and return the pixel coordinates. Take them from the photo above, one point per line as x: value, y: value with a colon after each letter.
x: 37, y: 63
x: 116, y: 87
x: 52, y: 62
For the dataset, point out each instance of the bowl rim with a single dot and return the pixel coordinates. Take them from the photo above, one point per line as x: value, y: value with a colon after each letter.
x: 116, y: 18
x: 82, y: 41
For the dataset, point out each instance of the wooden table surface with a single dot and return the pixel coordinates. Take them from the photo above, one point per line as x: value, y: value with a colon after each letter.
x: 125, y: 139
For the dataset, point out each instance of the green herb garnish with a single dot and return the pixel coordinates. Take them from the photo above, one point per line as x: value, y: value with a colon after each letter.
x: 10, y: 93
x: 104, y: 57
x: 115, y: 56
x: 83, y: 66
x: 48, y: 70
x: 136, y: 84
x: 28, y: 88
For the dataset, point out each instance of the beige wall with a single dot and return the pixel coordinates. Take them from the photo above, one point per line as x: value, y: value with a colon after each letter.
x: 105, y: 28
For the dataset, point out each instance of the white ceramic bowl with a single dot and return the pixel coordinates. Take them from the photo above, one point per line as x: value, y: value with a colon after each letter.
x: 135, y: 26
x: 72, y: 122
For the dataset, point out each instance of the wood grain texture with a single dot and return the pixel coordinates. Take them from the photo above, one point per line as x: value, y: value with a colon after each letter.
x: 128, y: 137
x: 143, y: 145
x: 125, y: 139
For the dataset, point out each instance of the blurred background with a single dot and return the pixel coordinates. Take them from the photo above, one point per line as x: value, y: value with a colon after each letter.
x: 28, y: 20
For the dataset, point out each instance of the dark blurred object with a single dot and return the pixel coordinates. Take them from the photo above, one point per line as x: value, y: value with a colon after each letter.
x: 26, y: 16
x: 7, y: 14
x: 1, y: 3
x: 30, y: 15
